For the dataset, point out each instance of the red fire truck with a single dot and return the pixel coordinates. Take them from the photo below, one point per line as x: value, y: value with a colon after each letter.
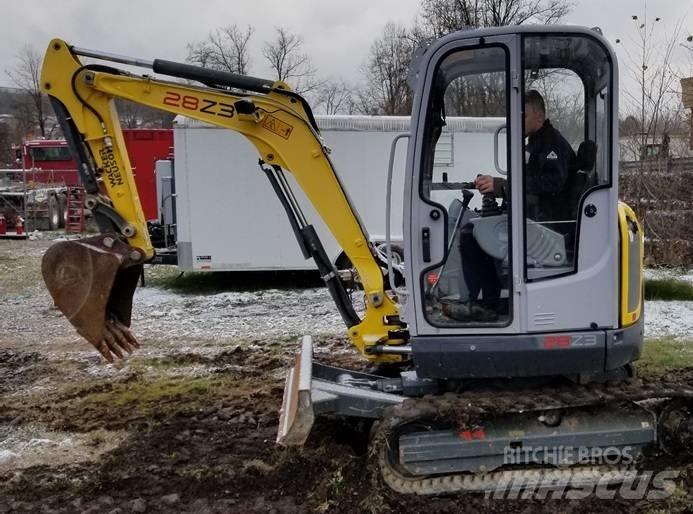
x: 45, y: 178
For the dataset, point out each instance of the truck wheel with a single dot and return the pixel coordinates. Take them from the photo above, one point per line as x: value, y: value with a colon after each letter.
x: 62, y: 202
x: 344, y: 263
x: 53, y: 213
x: 397, y: 258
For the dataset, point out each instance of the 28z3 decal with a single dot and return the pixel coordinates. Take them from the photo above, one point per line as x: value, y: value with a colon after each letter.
x: 193, y: 103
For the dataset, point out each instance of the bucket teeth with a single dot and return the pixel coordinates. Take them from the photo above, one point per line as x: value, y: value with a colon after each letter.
x: 92, y: 282
x: 116, y: 337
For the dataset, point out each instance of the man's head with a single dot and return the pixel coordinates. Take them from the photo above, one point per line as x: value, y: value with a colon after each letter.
x: 535, y: 112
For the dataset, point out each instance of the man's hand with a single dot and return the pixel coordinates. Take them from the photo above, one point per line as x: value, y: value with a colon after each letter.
x: 484, y: 183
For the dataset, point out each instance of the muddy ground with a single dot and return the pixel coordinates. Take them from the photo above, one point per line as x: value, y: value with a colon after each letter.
x: 188, y: 423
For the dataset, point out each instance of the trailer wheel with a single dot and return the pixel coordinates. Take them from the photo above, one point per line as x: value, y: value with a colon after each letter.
x: 397, y: 258
x: 62, y: 203
x: 344, y: 263
x: 53, y: 213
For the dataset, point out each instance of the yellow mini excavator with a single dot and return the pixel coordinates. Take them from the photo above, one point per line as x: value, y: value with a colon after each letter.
x: 521, y: 310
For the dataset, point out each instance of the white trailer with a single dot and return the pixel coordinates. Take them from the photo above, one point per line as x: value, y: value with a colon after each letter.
x: 229, y: 219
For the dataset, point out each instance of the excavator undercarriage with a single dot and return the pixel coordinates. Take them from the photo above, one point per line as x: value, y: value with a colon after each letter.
x: 431, y: 437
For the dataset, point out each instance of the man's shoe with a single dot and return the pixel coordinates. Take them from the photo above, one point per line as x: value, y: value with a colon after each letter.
x: 482, y: 313
x: 457, y: 311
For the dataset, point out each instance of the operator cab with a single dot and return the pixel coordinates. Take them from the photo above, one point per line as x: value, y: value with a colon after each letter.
x: 532, y: 110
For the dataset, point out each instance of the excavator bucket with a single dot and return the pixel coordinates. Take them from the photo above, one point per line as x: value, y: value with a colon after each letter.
x: 92, y: 282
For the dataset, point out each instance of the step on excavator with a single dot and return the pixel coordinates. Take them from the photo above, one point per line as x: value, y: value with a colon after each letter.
x: 520, y: 315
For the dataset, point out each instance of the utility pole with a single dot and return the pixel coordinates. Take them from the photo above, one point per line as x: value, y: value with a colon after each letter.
x: 643, y: 134
x: 643, y: 67
x: 645, y: 33
x: 687, y: 100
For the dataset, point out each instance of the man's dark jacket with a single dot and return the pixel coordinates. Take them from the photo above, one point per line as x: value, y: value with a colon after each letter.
x: 550, y: 161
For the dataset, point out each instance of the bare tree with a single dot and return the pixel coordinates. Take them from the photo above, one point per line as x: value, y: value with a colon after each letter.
x: 655, y: 101
x: 224, y: 49
x: 7, y: 137
x: 654, y: 185
x: 135, y: 115
x: 440, y: 17
x: 386, y: 71
x: 26, y: 75
x: 288, y: 62
x: 130, y: 113
x: 563, y: 92
x: 335, y: 96
x: 688, y: 44
x: 387, y: 91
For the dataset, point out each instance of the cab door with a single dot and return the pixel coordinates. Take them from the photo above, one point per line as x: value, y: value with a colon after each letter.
x: 569, y: 195
x: 464, y: 246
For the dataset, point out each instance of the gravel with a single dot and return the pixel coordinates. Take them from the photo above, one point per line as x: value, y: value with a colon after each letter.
x: 255, y: 314
x: 209, y: 322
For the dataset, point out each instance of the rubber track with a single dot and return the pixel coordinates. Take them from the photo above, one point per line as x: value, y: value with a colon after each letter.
x: 469, y: 408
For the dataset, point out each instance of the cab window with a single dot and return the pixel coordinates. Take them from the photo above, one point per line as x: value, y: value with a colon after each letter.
x: 466, y: 137
x: 566, y: 112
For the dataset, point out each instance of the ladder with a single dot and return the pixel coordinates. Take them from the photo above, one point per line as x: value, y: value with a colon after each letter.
x: 74, y: 217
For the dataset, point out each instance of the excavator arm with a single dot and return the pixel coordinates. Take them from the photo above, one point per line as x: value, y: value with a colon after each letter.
x: 93, y: 280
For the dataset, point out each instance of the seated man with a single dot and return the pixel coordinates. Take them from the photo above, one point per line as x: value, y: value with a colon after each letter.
x: 549, y: 162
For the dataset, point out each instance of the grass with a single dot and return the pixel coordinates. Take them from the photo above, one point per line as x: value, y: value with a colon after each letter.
x: 168, y: 277
x: 668, y: 289
x: 147, y: 394
x: 664, y: 354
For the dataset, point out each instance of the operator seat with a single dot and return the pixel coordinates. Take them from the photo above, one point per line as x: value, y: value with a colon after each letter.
x: 581, y: 176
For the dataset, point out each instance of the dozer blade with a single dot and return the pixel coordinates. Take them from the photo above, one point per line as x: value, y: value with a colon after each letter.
x: 313, y: 389
x: 92, y: 282
x: 296, y: 416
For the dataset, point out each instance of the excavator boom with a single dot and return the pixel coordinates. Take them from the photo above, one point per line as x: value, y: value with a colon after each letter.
x: 92, y: 281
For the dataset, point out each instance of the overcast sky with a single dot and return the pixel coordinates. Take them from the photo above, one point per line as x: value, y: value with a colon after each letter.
x: 337, y: 34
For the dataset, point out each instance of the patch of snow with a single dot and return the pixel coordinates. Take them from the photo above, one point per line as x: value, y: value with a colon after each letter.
x: 41, y: 442
x: 6, y: 457
x: 669, y: 319
x: 24, y: 446
x: 665, y: 273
